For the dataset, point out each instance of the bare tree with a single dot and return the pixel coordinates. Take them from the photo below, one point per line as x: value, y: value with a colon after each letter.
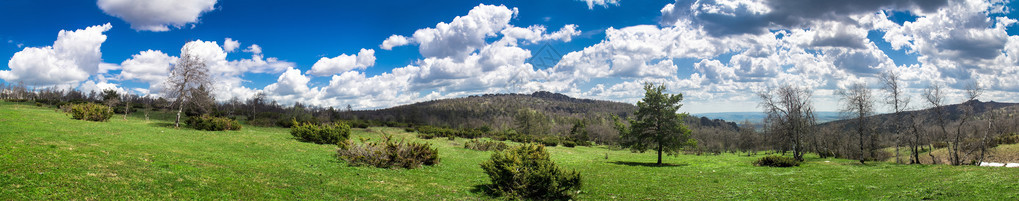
x: 858, y: 103
x: 899, y: 102
x: 973, y: 91
x: 935, y: 97
x: 791, y: 115
x: 189, y: 72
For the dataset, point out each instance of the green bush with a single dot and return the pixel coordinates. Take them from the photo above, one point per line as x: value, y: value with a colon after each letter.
x: 527, y: 172
x: 211, y: 123
x: 91, y: 112
x: 548, y: 141
x: 334, y: 133
x: 485, y: 145
x: 1007, y: 139
x: 567, y: 143
x: 777, y: 161
x: 388, y: 154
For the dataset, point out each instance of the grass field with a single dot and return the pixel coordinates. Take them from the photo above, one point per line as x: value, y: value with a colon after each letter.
x: 45, y: 155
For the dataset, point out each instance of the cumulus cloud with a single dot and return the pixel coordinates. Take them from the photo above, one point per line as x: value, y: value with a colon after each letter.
x: 343, y: 63
x: 151, y: 66
x: 72, y: 58
x: 157, y: 15
x: 602, y: 3
x: 230, y: 45
x: 394, y: 41
x: 291, y: 82
x: 733, y: 17
x: 463, y: 35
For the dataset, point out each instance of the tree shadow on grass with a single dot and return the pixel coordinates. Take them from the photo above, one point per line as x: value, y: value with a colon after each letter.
x: 162, y: 124
x: 630, y: 163
x: 484, y: 189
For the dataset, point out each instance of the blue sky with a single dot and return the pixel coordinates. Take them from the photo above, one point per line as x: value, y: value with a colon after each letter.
x: 332, y: 53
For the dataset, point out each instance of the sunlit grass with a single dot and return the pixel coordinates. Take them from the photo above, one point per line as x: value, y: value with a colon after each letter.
x: 45, y: 154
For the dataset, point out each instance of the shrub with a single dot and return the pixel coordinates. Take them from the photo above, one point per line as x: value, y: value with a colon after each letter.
x: 211, y: 123
x: 334, y: 133
x: 567, y: 143
x: 548, y: 141
x: 389, y: 154
x: 527, y: 172
x: 91, y: 112
x: 1007, y: 139
x: 777, y: 161
x: 485, y: 145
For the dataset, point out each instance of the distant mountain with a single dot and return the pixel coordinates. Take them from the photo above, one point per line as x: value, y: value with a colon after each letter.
x: 758, y: 117
x: 954, y: 113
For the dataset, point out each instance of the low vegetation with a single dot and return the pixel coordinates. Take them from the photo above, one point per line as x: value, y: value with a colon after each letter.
x: 777, y: 161
x: 334, y: 133
x: 211, y: 123
x: 389, y: 153
x: 527, y: 171
x: 485, y: 145
x: 91, y: 112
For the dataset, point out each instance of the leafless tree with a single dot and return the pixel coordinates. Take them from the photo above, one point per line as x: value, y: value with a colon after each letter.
x: 858, y: 103
x: 189, y: 72
x: 791, y: 113
x: 973, y: 91
x: 935, y: 97
x: 900, y: 102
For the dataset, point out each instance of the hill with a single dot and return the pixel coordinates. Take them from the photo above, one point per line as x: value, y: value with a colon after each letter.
x: 954, y: 113
x: 503, y: 111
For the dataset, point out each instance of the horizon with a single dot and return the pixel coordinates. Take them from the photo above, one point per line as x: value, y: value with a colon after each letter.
x: 365, y: 54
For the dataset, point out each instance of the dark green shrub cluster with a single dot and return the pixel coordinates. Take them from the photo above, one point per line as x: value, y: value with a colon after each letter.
x: 429, y: 132
x: 334, y: 133
x: 527, y: 172
x: 211, y: 123
x: 567, y: 143
x: 549, y: 141
x: 1007, y: 139
x: 777, y: 161
x: 485, y: 145
x: 91, y: 112
x: 389, y: 154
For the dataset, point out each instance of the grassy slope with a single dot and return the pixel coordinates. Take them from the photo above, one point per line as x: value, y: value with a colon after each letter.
x: 46, y: 155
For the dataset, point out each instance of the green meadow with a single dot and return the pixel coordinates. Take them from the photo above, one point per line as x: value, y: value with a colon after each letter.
x: 44, y: 155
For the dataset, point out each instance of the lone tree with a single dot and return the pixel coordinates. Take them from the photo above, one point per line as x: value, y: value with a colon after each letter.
x: 656, y: 125
x: 859, y: 104
x: 791, y: 115
x: 189, y: 72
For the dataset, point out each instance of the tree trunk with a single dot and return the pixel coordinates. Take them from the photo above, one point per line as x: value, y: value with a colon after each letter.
x: 659, y: 155
x: 180, y: 108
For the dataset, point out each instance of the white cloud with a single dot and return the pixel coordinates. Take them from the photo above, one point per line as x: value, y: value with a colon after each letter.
x: 602, y: 3
x: 157, y: 15
x: 254, y: 49
x: 230, y: 45
x: 151, y: 66
x: 394, y: 41
x: 465, y: 34
x: 536, y: 33
x: 343, y: 63
x: 74, y: 56
x: 291, y: 82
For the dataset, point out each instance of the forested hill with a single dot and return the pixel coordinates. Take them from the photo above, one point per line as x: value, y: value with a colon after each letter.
x: 954, y: 113
x: 499, y: 110
x: 556, y: 112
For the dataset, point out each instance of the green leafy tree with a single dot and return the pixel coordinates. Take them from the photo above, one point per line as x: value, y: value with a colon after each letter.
x: 656, y: 125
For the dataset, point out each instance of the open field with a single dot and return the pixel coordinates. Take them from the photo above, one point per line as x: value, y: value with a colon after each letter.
x: 47, y: 155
